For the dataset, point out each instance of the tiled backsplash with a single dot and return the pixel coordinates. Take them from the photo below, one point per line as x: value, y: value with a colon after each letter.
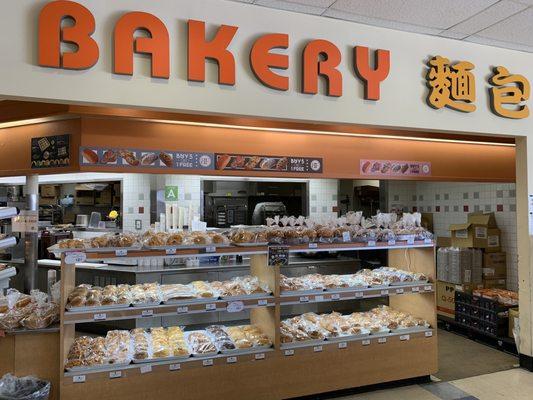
x: 135, y: 201
x: 323, y: 198
x: 451, y: 202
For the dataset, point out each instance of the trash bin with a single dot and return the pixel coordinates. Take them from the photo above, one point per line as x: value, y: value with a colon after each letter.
x: 26, y: 388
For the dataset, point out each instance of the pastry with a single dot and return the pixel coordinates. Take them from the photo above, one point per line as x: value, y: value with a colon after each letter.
x: 252, y: 162
x: 149, y: 158
x: 140, y: 344
x: 177, y: 292
x: 177, y: 343
x: 282, y: 164
x: 223, y: 161
x: 200, y: 343
x: 175, y: 239
x: 166, y: 159
x: 202, y: 289
x: 118, y: 347
x: 71, y: 244
x: 110, y: 156
x: 90, y: 156
x: 129, y: 157
x: 160, y: 343
x: 238, y: 162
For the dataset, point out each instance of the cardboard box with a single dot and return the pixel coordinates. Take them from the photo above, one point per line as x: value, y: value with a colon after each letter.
x: 495, y: 283
x: 444, y: 241
x: 514, y: 316
x: 446, y: 297
x: 480, y: 232
x: 50, y: 191
x: 494, y: 265
x: 84, y: 200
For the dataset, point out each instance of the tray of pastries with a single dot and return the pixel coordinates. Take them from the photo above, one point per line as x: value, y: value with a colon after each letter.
x: 93, y: 298
x: 184, y: 240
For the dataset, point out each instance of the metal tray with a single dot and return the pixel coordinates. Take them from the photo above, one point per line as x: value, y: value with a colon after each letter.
x: 97, y: 308
x: 412, y: 283
x: 141, y: 305
x: 249, y: 350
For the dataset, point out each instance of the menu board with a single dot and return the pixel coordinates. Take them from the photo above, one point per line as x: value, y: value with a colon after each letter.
x: 145, y: 158
x: 394, y: 168
x: 248, y: 162
x: 50, y: 151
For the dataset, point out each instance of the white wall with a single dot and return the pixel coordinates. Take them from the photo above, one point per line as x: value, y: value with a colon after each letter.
x: 323, y: 197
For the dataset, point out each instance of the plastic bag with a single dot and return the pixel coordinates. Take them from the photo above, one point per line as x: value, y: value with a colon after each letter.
x: 26, y: 388
x: 44, y: 314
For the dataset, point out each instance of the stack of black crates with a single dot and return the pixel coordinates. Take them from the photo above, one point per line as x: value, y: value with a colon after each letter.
x: 481, y: 315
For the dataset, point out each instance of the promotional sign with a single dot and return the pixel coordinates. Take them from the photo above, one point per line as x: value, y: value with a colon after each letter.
x: 247, y: 162
x: 278, y: 255
x: 26, y: 222
x: 171, y: 193
x: 394, y: 168
x: 50, y: 151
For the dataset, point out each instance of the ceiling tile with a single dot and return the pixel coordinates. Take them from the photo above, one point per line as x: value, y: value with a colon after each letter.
x: 380, y: 22
x: 312, y: 3
x: 290, y: 6
x: 495, y: 13
x: 527, y: 2
x: 431, y: 13
x: 498, y: 43
x: 244, y: 1
x: 515, y: 29
x: 453, y: 35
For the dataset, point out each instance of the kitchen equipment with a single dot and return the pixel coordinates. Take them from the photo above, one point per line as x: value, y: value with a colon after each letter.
x: 82, y: 220
x: 96, y: 217
x: 266, y: 210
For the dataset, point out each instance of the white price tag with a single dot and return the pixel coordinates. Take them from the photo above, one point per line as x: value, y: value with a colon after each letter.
x: 391, y: 242
x: 147, y: 313
x: 304, y: 299
x: 346, y: 237
x: 170, y: 252
x: 382, y: 340
x: 75, y: 257
x: 208, y: 362
x: 359, y: 295
x: 100, y: 317
x: 146, y: 369
x: 210, y: 307
x: 115, y: 374
x: 415, y: 289
x: 313, y: 245
x: 319, y: 298
x: 428, y: 288
x: 78, y: 378
x: 231, y: 360
x: 174, y: 367
x: 384, y: 292
x: 399, y: 291
x: 260, y: 356
x: 365, y: 342
x: 428, y: 241
x: 211, y: 249
x: 335, y: 296
x: 121, y: 253
x: 262, y: 302
x: 410, y: 241
x: 289, y: 353
x: 428, y: 334
x: 343, y: 345
x: 235, y: 306
x: 317, y: 349
x: 405, y: 337
x: 371, y: 243
x: 182, y: 310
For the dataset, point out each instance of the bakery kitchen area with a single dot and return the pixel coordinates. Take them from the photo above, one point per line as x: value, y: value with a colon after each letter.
x: 193, y: 198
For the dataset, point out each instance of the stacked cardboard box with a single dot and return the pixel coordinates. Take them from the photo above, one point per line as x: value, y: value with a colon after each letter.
x: 459, y: 265
x: 479, y: 232
x: 50, y: 195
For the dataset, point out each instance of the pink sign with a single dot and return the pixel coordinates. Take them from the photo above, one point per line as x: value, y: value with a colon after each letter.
x: 394, y: 168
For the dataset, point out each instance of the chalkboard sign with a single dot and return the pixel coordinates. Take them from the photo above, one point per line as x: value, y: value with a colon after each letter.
x: 278, y: 255
x: 50, y: 151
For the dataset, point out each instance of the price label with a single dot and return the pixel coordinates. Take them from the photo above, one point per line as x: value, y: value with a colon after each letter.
x: 182, y: 310
x: 359, y: 295
x: 391, y: 242
x: 210, y: 249
x: 399, y: 291
x: 335, y: 296
x: 304, y: 299
x: 262, y: 302
x: 382, y: 340
x: 208, y: 362
x: 289, y: 353
x: 428, y: 288
x: 319, y: 298
x: 428, y: 241
x: 365, y: 342
x: 147, y: 313
x: 115, y: 374
x: 121, y: 253
x: 174, y: 367
x: 415, y: 289
x: 410, y: 241
x: 170, y: 252
x: 343, y: 345
x: 75, y: 257
x: 231, y: 360
x: 428, y: 334
x: 235, y: 306
x: 371, y: 243
x: 346, y: 237
x: 100, y: 317
x: 78, y: 378
x: 210, y: 307
x: 317, y: 349
x: 260, y: 356
x: 146, y: 369
x: 403, y: 338
x: 313, y: 245
x: 384, y: 292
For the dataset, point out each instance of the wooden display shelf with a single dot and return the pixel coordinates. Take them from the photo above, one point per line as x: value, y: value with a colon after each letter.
x: 358, y: 246
x: 178, y: 308
x: 290, y: 298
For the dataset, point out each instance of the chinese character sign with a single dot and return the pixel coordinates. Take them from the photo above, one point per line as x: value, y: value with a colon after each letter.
x: 451, y: 85
x: 509, y: 89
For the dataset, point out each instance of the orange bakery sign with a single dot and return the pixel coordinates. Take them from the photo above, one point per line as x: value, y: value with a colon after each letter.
x: 320, y: 58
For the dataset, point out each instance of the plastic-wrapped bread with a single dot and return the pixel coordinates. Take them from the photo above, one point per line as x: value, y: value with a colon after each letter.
x: 94, y: 297
x: 160, y: 343
x: 203, y: 289
x: 238, y: 336
x: 220, y: 337
x: 123, y: 294
x: 141, y: 348
x: 200, y: 343
x: 109, y: 295
x: 256, y: 336
x: 177, y: 292
x: 78, y: 352
x: 118, y: 347
x: 177, y: 343
x: 97, y: 354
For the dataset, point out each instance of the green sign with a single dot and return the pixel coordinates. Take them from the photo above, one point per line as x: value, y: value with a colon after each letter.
x: 171, y: 193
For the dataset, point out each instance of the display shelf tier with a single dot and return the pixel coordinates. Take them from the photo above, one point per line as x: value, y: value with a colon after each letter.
x: 172, y: 309
x: 291, y: 298
x: 240, y: 250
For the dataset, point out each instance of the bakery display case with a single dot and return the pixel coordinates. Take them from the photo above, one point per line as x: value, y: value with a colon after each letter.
x: 360, y: 342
